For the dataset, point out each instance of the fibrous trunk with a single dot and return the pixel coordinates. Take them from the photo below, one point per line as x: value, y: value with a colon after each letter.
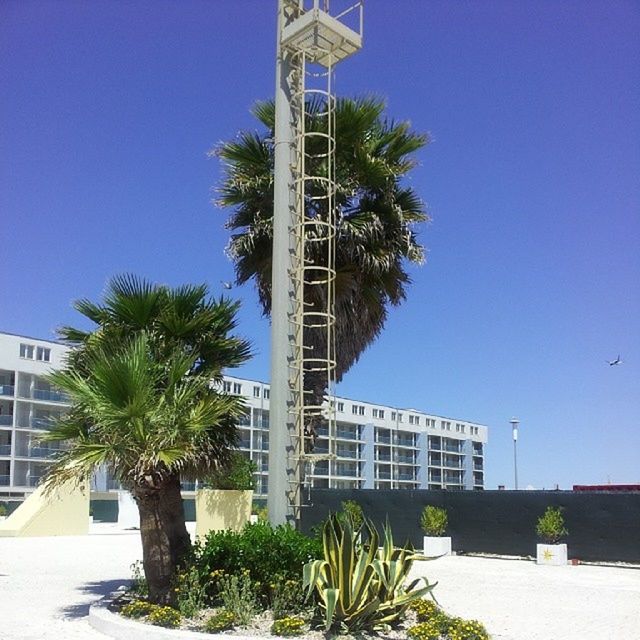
x: 165, y: 540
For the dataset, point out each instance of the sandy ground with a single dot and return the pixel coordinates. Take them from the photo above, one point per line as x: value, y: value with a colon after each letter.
x: 47, y: 584
x: 518, y: 600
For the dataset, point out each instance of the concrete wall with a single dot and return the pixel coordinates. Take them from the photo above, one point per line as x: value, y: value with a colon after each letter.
x: 219, y: 510
x: 63, y: 511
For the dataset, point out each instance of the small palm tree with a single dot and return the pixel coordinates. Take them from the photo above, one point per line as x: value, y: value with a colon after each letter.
x: 143, y: 406
x: 375, y: 218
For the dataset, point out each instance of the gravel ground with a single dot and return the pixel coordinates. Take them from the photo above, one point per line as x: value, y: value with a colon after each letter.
x: 519, y: 600
x: 47, y: 584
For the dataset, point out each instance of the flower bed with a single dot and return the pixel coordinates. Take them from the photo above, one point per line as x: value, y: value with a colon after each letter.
x: 268, y: 581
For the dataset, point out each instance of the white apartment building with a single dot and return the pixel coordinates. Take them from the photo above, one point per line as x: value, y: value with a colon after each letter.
x: 28, y: 404
x: 373, y: 446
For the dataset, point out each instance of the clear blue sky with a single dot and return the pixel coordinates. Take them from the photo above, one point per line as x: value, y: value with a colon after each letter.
x: 108, y: 109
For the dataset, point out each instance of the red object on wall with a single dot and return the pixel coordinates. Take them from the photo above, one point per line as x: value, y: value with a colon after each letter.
x: 607, y: 487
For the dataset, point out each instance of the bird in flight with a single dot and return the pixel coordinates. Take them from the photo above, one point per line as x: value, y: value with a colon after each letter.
x: 612, y: 363
x: 226, y: 285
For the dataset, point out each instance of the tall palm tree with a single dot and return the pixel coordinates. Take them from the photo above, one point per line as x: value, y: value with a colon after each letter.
x: 376, y: 214
x: 143, y: 405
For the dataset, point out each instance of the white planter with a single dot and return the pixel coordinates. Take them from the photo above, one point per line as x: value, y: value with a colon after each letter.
x: 554, y: 554
x: 436, y: 546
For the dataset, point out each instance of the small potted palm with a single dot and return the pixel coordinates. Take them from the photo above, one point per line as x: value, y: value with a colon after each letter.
x: 434, y: 522
x: 551, y: 530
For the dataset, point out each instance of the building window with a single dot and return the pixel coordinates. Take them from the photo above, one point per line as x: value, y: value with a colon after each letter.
x: 354, y: 409
x: 43, y: 354
x: 265, y: 393
x: 237, y: 388
x: 341, y: 407
x: 256, y: 392
x: 393, y: 416
x: 399, y: 417
x: 414, y: 419
x: 226, y: 386
x: 361, y: 410
x: 26, y: 351
x: 378, y: 413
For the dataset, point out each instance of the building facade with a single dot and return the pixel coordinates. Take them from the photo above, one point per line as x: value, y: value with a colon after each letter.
x: 373, y: 446
x: 28, y: 404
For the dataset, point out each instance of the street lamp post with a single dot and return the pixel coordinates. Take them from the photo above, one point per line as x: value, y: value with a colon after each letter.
x: 514, y: 429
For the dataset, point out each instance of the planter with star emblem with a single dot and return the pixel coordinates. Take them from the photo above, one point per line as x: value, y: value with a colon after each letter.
x: 551, y: 529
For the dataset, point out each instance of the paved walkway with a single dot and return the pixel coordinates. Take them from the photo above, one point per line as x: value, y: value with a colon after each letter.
x: 47, y: 584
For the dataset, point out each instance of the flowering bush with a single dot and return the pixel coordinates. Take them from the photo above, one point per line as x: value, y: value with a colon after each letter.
x: 290, y: 626
x: 220, y: 621
x: 424, y: 631
x: 137, y: 609
x: 425, y: 609
x: 468, y: 630
x: 165, y: 617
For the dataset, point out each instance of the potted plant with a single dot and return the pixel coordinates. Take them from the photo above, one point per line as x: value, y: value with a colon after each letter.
x: 434, y: 522
x: 551, y: 529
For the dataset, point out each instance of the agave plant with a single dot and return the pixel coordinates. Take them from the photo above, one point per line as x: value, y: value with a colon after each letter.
x: 362, y: 586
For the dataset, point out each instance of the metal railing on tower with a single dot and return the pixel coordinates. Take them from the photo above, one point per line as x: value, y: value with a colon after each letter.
x: 311, y: 42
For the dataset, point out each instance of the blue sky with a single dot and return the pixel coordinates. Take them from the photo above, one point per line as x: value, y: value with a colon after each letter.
x: 107, y: 112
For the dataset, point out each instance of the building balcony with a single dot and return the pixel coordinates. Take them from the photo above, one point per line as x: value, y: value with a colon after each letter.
x: 50, y: 396
x: 347, y: 435
x: 41, y: 423
x: 346, y: 453
x: 451, y: 448
x: 405, y: 458
x: 406, y: 476
x: 347, y: 472
x: 42, y: 452
x: 4, y: 481
x: 6, y: 421
x: 381, y: 457
x: 33, y: 481
x: 5, y: 449
x: 478, y: 467
x: 383, y: 475
x: 7, y: 389
x: 383, y: 439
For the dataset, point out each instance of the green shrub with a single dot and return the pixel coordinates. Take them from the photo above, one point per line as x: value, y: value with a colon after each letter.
x: 291, y: 626
x: 190, y: 594
x: 352, y: 511
x: 237, y: 475
x: 361, y: 586
x: 223, y: 620
x: 467, y: 630
x: 138, y: 581
x: 286, y: 596
x: 137, y: 609
x: 434, y: 521
x: 261, y: 511
x: 239, y: 595
x: 424, y: 631
x: 265, y: 551
x: 165, y: 617
x: 3, y: 510
x: 550, y: 525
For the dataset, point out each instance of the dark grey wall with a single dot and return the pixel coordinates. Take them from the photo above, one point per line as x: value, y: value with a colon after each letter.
x: 602, y: 526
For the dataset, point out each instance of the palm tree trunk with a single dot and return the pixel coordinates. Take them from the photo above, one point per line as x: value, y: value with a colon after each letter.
x: 165, y: 539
